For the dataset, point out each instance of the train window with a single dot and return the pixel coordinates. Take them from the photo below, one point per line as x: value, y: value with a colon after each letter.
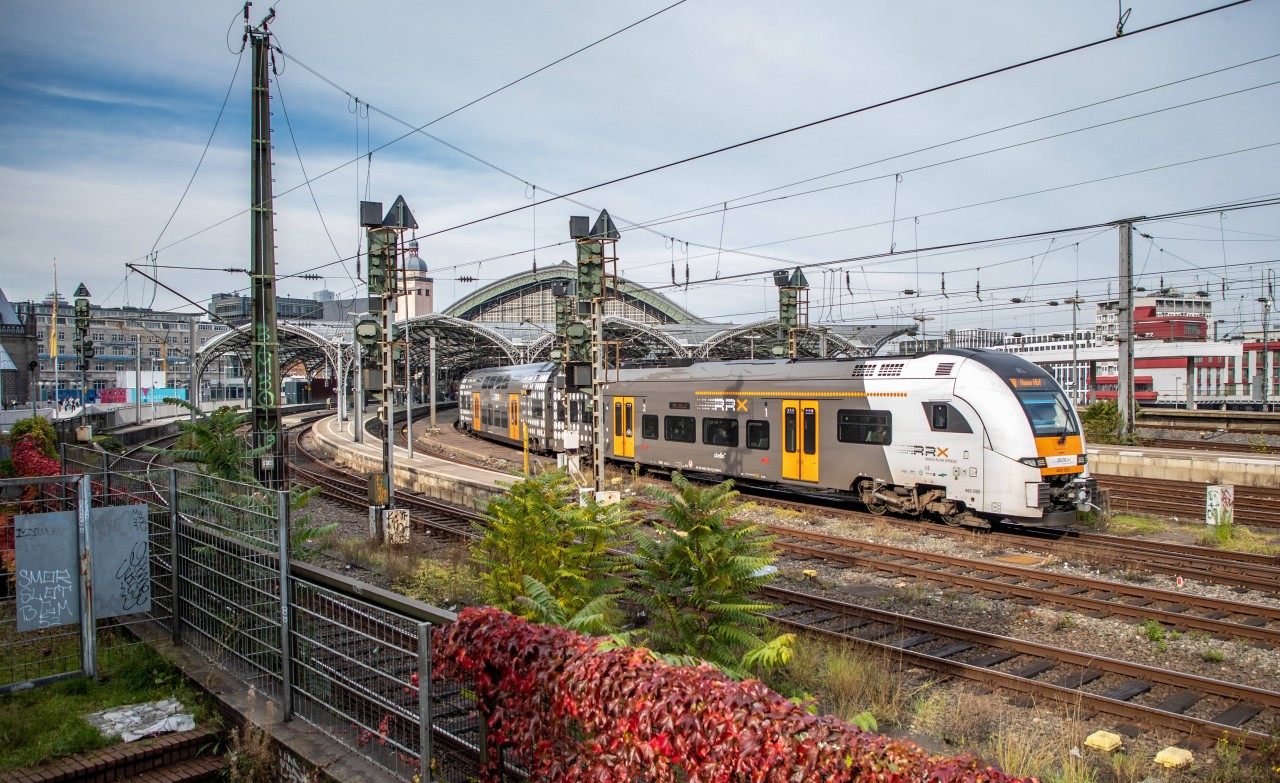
x: 681, y: 428
x: 810, y: 428
x: 720, y: 432
x: 574, y: 408
x: 617, y: 417
x: 535, y: 408
x: 559, y: 411
x: 757, y: 434
x: 943, y: 417
x: 486, y: 416
x: 873, y: 427
x: 789, y: 430
x: 649, y: 426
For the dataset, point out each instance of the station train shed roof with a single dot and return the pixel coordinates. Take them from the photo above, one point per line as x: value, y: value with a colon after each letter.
x: 512, y: 321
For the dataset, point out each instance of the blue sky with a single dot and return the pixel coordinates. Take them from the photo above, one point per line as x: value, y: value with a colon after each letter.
x: 105, y: 109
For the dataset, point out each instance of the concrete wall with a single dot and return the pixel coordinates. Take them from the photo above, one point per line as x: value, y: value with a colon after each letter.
x: 447, y: 482
x: 1200, y: 467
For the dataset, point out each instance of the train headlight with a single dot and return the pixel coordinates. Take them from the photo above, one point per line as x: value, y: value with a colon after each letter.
x: 1082, y: 459
x: 1034, y: 462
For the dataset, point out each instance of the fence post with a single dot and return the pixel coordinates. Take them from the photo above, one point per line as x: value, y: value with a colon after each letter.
x: 62, y: 453
x: 88, y: 624
x: 424, y: 702
x: 175, y: 623
x: 286, y: 641
x: 106, y: 477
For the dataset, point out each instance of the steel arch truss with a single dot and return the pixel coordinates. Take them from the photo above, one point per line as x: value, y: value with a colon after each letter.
x: 638, y: 341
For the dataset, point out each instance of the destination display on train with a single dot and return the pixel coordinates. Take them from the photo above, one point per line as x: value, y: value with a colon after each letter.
x: 1026, y: 383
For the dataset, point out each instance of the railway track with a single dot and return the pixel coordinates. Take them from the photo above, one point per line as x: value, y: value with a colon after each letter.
x: 1258, y: 506
x: 1150, y: 696
x: 1238, y: 569
x: 1217, y: 447
x: 1226, y: 619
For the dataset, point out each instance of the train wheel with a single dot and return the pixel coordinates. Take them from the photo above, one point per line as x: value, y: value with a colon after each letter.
x: 953, y: 520
x: 866, y: 490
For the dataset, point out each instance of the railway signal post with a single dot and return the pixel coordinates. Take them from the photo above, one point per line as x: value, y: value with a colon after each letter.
x: 385, y: 235
x: 596, y: 252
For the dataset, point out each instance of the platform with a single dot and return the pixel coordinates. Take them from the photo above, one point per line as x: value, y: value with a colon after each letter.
x: 451, y: 482
x: 1250, y: 470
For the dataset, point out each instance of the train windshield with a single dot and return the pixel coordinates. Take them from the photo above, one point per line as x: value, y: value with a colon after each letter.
x: 1049, y: 412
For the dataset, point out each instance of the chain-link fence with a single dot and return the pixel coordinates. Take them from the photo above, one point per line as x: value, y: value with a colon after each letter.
x: 345, y: 656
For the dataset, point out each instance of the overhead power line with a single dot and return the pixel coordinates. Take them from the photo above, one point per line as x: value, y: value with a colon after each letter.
x: 842, y: 115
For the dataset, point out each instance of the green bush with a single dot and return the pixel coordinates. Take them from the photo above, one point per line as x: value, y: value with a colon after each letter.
x: 41, y: 430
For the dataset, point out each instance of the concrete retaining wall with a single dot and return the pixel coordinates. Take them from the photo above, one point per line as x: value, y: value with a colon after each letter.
x: 446, y: 481
x: 1201, y: 467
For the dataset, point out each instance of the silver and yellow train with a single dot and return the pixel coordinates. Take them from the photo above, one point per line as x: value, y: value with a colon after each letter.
x: 972, y: 436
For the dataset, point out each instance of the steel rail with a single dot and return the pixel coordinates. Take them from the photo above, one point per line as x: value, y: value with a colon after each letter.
x: 1032, y: 591
x: 1008, y: 681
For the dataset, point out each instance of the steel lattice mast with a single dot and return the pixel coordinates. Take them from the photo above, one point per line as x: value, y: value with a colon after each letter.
x: 268, y: 467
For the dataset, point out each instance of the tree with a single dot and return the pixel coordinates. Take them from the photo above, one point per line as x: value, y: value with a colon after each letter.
x: 213, y: 441
x: 537, y: 530
x: 695, y: 577
x: 1101, y: 422
x: 225, y: 459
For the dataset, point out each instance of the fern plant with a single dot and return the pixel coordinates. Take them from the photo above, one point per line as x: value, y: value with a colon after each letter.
x: 696, y: 575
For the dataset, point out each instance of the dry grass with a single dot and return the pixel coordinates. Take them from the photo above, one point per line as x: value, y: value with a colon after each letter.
x: 396, y: 562
x: 1240, y: 539
x: 960, y: 718
x: 847, y: 680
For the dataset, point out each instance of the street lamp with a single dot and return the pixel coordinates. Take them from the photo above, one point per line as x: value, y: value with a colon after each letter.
x: 1177, y: 392
x: 1215, y: 328
x: 1266, y: 351
x: 921, y: 319
x: 1075, y: 302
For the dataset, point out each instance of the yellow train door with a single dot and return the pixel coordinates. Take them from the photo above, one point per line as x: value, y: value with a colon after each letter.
x: 800, y: 440
x: 624, y: 431
x: 475, y: 411
x: 513, y: 416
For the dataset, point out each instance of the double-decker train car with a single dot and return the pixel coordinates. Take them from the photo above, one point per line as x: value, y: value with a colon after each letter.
x: 970, y: 435
x: 493, y: 402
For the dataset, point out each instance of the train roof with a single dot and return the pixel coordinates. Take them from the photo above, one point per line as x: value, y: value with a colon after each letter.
x: 924, y: 365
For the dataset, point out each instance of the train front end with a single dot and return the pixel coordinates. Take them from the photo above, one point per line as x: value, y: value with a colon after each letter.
x: 1037, y: 471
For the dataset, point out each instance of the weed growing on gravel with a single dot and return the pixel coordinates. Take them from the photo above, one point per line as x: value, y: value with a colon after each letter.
x: 1240, y: 539
x: 1154, y: 630
x: 1134, y: 525
x: 1211, y: 655
x: 1066, y: 622
x: 448, y: 582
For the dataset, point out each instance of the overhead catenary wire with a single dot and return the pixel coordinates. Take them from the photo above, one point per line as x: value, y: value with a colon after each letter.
x: 846, y: 114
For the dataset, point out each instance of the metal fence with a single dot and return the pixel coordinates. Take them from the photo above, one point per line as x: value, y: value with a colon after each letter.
x: 346, y: 657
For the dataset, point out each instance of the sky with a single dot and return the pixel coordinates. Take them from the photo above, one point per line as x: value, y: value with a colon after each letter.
x: 106, y: 110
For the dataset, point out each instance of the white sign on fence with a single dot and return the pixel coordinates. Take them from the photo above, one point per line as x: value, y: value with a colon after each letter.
x: 1219, y: 504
